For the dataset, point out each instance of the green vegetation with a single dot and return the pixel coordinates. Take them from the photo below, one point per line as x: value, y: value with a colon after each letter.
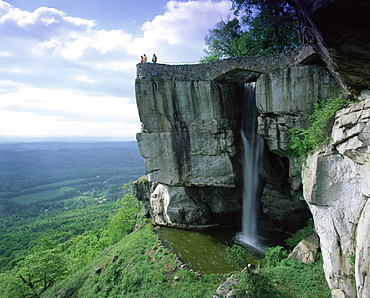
x: 300, y: 234
x: 135, y: 267
x: 74, y: 238
x: 235, y: 255
x: 262, y: 27
x: 93, y: 241
x: 288, y: 279
x: 32, y: 171
x: 304, y: 141
x: 83, y: 266
x: 280, y: 276
x: 352, y: 260
x: 36, y: 203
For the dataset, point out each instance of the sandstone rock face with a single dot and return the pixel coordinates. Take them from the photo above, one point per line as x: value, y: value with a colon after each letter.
x: 336, y: 187
x: 190, y: 129
x: 285, y: 99
x: 188, y: 132
x: 191, y: 144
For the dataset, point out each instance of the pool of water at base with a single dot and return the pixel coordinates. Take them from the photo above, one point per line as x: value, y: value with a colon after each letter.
x: 205, y: 251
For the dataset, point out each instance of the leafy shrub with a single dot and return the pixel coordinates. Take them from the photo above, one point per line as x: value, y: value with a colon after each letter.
x: 274, y: 255
x: 256, y: 285
x: 284, y: 277
x: 352, y: 260
x: 299, y: 279
x: 304, y: 141
x: 236, y: 255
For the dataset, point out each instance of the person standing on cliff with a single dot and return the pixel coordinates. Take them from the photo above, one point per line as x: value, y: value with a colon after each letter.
x: 141, y: 59
x: 154, y: 59
x: 145, y: 58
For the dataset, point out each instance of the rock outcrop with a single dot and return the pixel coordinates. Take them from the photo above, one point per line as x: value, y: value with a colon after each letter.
x: 336, y: 177
x: 188, y: 144
x: 307, y: 249
x: 340, y: 33
x: 191, y: 142
x: 285, y: 98
x: 337, y: 187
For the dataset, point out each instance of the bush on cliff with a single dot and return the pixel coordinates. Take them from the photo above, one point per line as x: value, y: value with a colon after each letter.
x: 304, y: 141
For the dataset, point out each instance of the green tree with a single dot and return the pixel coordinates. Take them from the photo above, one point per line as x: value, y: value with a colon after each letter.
x: 123, y: 222
x: 263, y: 27
x: 34, y: 274
x: 222, y: 41
x: 66, y: 192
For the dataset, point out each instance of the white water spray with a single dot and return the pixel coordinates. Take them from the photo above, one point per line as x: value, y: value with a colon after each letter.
x: 253, y: 150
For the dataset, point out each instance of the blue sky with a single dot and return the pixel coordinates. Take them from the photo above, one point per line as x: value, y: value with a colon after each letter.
x: 67, y: 67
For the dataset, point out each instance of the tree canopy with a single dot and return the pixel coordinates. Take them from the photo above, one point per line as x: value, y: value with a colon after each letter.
x: 260, y: 27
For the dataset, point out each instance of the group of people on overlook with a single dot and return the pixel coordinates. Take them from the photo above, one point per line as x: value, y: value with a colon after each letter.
x: 144, y: 59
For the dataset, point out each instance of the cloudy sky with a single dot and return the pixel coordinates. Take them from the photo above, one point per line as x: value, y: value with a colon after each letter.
x: 67, y: 67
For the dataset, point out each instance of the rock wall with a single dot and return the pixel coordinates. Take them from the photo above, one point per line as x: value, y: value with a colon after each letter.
x: 188, y: 141
x: 336, y: 177
x: 191, y: 144
x: 336, y: 180
x: 285, y: 99
x: 339, y: 31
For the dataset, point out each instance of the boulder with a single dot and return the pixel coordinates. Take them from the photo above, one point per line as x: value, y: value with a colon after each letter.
x: 306, y: 249
x: 337, y: 293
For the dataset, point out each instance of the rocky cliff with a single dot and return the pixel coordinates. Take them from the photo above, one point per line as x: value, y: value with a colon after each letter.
x: 191, y: 141
x: 336, y: 188
x: 336, y: 177
x: 339, y: 31
x: 188, y: 144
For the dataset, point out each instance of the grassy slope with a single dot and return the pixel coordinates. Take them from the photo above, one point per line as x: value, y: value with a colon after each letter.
x: 135, y: 267
x: 138, y: 267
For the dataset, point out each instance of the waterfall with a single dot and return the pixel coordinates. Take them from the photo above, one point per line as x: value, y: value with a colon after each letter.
x: 253, y: 150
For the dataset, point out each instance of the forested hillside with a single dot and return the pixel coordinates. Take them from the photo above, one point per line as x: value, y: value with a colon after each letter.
x: 25, y: 170
x: 55, y: 193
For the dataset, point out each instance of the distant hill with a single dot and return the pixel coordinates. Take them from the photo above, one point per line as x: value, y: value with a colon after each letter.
x: 24, y: 166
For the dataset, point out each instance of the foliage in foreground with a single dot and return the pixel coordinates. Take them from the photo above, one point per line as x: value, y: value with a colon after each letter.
x: 279, y: 276
x: 287, y: 279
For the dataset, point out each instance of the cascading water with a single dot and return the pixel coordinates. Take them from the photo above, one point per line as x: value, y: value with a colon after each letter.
x: 253, y: 150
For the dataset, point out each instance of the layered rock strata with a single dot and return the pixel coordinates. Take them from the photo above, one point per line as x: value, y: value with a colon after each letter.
x: 188, y: 144
x: 336, y: 181
x: 191, y: 144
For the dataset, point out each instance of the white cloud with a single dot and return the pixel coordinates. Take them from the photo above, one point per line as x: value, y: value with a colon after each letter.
x: 60, y: 75
x: 179, y: 32
x: 63, y: 112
